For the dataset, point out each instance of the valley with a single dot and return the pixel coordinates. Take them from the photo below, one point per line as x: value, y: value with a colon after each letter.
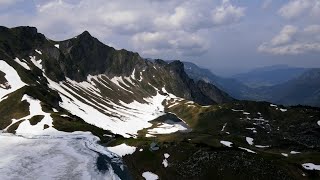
x: 91, y: 111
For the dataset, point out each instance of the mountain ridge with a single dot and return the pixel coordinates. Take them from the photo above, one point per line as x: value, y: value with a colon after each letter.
x: 84, y: 55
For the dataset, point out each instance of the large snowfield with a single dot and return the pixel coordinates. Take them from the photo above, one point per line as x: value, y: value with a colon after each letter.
x: 65, y: 156
x: 36, y: 152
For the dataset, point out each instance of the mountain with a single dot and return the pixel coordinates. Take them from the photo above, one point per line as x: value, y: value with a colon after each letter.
x: 269, y: 76
x: 232, y: 86
x: 79, y: 109
x: 304, y: 89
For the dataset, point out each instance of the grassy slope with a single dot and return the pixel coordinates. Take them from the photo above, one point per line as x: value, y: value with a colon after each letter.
x: 200, y: 155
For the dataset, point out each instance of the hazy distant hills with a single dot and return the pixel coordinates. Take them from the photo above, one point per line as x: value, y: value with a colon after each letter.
x: 304, y: 89
x: 278, y: 84
x: 232, y: 86
x: 269, y: 76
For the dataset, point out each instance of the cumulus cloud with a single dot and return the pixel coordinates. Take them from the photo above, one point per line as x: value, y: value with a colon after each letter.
x: 178, y: 31
x: 297, y: 8
x: 227, y: 13
x: 183, y: 43
x: 292, y: 41
x: 285, y: 35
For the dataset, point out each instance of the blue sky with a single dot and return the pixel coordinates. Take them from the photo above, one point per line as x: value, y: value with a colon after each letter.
x: 226, y: 36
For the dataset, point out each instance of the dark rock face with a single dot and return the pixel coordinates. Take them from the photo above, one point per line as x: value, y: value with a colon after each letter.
x: 85, y: 55
x: 213, y: 92
x: 19, y: 40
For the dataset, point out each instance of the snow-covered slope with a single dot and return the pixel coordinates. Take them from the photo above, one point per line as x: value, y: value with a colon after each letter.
x: 12, y: 80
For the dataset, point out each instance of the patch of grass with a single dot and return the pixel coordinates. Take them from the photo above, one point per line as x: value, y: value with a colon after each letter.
x: 14, y: 127
x: 13, y: 108
x: 36, y: 119
x: 73, y: 123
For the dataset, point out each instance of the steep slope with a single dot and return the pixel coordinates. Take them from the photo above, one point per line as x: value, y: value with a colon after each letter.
x: 87, y: 78
x: 269, y: 76
x: 53, y: 92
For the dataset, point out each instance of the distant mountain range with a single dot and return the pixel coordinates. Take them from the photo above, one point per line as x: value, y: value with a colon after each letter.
x: 278, y: 84
x: 269, y: 75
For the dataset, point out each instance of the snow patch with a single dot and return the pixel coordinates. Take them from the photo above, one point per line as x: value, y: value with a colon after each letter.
x: 224, y: 126
x: 168, y: 127
x: 23, y: 64
x: 311, y: 166
x: 174, y: 104
x: 236, y: 110
x: 261, y: 146
x: 26, y: 129
x: 249, y: 140
x: 248, y: 150
x: 294, y: 152
x: 133, y: 74
x: 57, y: 46
x: 284, y: 154
x: 165, y: 163
x: 122, y: 149
x: 149, y: 135
x: 150, y: 176
x: 39, y: 52
x: 37, y: 63
x: 14, y: 81
x: 117, y: 80
x: 252, y: 129
x: 226, y: 143
x: 283, y: 110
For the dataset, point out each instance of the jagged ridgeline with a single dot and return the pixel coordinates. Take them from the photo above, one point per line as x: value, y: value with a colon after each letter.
x: 82, y: 74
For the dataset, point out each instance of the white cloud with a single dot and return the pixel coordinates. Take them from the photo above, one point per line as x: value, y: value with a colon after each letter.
x: 180, y: 42
x: 151, y: 26
x: 292, y: 41
x: 297, y: 8
x: 266, y: 4
x: 196, y: 15
x: 284, y: 36
x: 227, y: 13
x: 313, y: 29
